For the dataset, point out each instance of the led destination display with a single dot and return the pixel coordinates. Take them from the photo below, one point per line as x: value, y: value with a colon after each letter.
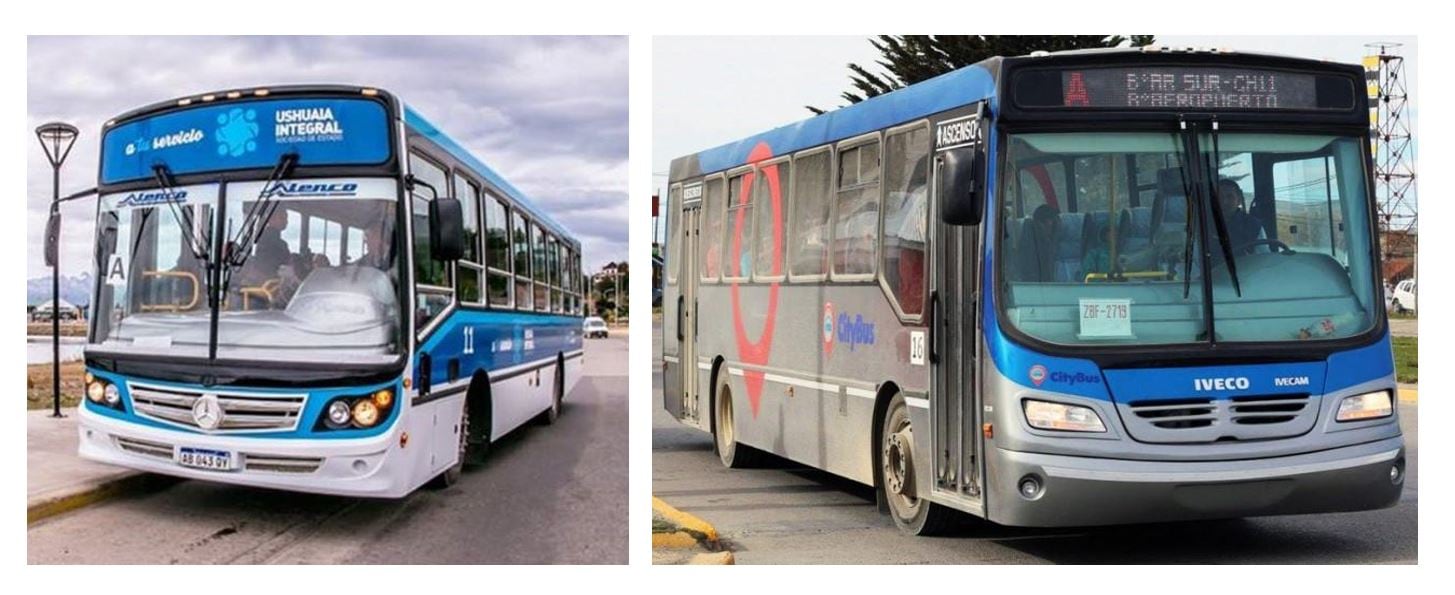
x: 1182, y: 88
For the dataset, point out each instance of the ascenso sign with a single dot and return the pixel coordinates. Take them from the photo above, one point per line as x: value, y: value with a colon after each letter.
x: 247, y: 134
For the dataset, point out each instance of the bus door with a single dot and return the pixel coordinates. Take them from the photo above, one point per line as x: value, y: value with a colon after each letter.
x: 954, y: 419
x: 687, y: 279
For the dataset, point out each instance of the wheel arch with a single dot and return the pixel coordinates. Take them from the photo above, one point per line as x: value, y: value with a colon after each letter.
x: 882, y: 397
x: 481, y: 401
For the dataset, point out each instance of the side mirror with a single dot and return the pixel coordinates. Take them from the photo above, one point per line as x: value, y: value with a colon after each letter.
x: 446, y: 229
x: 52, y: 238
x: 962, y: 192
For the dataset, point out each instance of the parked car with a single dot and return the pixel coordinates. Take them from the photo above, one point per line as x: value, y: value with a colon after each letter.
x: 1404, y: 296
x: 594, y: 327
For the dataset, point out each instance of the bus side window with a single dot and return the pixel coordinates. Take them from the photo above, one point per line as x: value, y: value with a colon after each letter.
x: 809, y: 244
x: 497, y: 252
x: 768, y: 256
x: 521, y: 241
x: 469, y: 269
x: 906, y: 184
x: 540, y: 264
x: 710, y: 248
x: 738, y: 227
x: 856, y: 222
x: 674, y: 239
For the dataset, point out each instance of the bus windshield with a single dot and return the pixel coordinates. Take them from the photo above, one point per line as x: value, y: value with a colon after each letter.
x: 320, y: 283
x: 1100, y: 242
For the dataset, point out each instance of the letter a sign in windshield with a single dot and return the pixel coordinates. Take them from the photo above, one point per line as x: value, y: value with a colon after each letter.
x: 116, y: 271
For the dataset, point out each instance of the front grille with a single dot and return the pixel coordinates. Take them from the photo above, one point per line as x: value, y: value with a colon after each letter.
x: 241, y: 412
x: 1254, y: 417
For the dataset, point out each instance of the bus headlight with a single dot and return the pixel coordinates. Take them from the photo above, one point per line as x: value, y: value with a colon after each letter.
x: 366, y: 413
x: 1366, y: 406
x: 111, y: 395
x: 96, y: 391
x: 383, y: 398
x: 1045, y: 415
x: 339, y: 414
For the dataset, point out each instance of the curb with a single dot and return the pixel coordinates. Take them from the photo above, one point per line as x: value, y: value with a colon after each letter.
x: 139, y: 482
x: 692, y: 534
x: 1409, y: 393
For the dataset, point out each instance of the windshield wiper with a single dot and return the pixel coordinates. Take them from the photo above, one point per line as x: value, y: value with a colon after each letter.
x: 1220, y: 223
x: 167, y: 184
x: 240, y: 247
x: 1193, y: 208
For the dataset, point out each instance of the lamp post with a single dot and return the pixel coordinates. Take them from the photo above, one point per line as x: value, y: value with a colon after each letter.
x: 56, y: 138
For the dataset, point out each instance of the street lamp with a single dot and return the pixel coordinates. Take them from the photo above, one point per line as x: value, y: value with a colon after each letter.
x: 56, y: 138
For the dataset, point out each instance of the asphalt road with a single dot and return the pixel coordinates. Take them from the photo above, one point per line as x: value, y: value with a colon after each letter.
x: 793, y: 515
x: 548, y: 495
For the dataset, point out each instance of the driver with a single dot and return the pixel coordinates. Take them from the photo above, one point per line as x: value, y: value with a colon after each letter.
x: 1243, y: 229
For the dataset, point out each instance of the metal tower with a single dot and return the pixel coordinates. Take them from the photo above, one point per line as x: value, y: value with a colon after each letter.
x: 1392, y: 148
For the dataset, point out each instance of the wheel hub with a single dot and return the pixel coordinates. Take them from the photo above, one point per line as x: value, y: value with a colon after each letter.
x: 898, y: 463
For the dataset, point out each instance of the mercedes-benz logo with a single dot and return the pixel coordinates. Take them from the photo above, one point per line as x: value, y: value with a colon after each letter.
x: 207, y: 412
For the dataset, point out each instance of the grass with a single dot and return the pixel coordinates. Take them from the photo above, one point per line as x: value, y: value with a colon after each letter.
x: 1406, y: 315
x: 1406, y: 359
x: 69, y: 328
x: 38, y: 385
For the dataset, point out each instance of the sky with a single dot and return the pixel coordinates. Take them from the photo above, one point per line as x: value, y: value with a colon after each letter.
x: 714, y: 90
x: 547, y: 113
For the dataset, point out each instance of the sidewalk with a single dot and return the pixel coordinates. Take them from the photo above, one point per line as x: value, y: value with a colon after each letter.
x: 57, y: 480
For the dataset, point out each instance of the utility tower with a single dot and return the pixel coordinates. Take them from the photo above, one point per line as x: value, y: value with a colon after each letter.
x: 1392, y: 147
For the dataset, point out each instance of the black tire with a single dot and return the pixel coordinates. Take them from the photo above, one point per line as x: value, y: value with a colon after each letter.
x: 1398, y: 307
x: 894, y: 455
x: 550, y: 416
x: 452, y: 475
x: 733, y: 454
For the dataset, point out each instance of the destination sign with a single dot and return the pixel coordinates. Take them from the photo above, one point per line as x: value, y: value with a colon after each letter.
x: 247, y: 134
x: 1183, y: 88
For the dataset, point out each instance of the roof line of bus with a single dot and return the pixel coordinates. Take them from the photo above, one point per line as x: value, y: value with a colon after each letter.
x: 953, y: 89
x: 414, y: 120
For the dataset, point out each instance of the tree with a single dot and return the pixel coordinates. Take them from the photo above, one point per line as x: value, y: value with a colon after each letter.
x: 910, y: 59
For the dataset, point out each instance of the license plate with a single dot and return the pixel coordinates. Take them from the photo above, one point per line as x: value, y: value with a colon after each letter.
x: 204, y: 458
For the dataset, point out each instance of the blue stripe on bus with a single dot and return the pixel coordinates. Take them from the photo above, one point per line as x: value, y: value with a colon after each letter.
x: 1083, y: 378
x: 414, y: 120
x: 499, y: 340
x: 947, y: 91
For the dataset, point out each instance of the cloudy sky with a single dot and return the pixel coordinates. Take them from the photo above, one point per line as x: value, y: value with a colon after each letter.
x: 548, y: 113
x: 713, y: 90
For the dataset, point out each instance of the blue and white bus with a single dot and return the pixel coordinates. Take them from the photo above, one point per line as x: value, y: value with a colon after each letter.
x: 313, y: 288
x: 1080, y: 288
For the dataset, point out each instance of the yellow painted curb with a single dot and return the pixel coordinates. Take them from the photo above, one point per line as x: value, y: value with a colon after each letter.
x: 686, y: 521
x: 103, y: 491
x: 1409, y: 395
x: 677, y: 540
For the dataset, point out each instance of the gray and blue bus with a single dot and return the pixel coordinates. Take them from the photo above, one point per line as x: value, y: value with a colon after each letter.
x: 313, y: 288
x: 1082, y: 288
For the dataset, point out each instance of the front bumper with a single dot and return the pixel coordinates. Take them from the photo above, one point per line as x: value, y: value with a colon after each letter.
x: 369, y: 467
x: 1080, y: 491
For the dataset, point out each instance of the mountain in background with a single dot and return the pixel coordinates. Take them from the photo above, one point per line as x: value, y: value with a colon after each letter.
x: 74, y: 289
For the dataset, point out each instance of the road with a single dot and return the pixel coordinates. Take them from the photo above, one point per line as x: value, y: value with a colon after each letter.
x: 793, y: 515
x: 548, y: 495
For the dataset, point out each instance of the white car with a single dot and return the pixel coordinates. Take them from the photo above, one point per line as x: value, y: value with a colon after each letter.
x: 594, y: 327
x: 1403, y: 299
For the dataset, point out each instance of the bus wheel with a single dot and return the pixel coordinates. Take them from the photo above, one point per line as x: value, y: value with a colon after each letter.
x: 452, y: 474
x: 912, y: 514
x: 554, y: 412
x: 724, y: 431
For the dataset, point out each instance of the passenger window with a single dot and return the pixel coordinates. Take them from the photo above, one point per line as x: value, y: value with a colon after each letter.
x: 468, y: 193
x: 738, y: 239
x: 427, y: 270
x: 540, y: 264
x: 522, y: 241
x: 856, y: 224
x: 710, y: 248
x: 906, y: 212
x: 497, y: 252
x: 809, y: 247
x: 674, y: 240
x: 768, y: 255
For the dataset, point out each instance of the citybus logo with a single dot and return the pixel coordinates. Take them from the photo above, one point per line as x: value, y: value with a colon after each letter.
x: 828, y: 328
x: 303, y: 189
x: 1038, y: 374
x: 855, y: 331
x: 149, y: 198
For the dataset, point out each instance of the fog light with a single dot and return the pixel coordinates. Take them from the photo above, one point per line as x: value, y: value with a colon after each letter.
x: 366, y: 413
x: 95, y: 391
x: 1394, y: 473
x: 1030, y: 487
x: 111, y: 395
x: 338, y: 414
x: 383, y: 398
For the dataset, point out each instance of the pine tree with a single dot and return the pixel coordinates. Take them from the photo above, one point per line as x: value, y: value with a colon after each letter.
x: 909, y: 59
